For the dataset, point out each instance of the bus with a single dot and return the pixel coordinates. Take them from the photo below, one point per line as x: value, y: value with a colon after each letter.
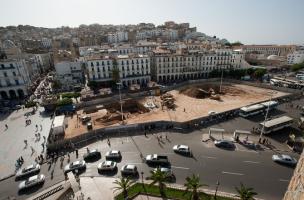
x: 257, y: 108
x: 276, y: 124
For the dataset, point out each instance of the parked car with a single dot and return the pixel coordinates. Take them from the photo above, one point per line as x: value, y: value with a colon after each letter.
x: 129, y: 170
x: 92, y: 154
x: 31, y: 182
x: 182, y: 149
x: 224, y: 144
x: 31, y: 169
x: 16, y: 107
x: 211, y: 112
x: 85, y: 119
x: 77, y: 165
x: 284, y: 159
x: 168, y: 171
x: 113, y: 154
x: 107, y: 166
x: 89, y: 126
x: 157, y: 159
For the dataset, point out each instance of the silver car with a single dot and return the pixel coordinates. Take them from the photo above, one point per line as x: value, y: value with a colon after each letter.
x: 182, y: 149
x: 77, y: 165
x: 31, y: 182
x: 107, y: 166
x: 129, y: 170
x: 113, y: 154
x: 31, y: 169
x: 284, y: 159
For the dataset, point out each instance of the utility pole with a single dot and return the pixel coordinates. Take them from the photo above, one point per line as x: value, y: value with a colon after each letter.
x: 221, y: 81
x: 122, y: 117
x: 266, y: 116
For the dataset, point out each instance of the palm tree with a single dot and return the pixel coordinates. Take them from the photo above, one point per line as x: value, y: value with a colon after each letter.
x: 123, y: 184
x: 159, y: 177
x: 245, y: 193
x: 193, y: 183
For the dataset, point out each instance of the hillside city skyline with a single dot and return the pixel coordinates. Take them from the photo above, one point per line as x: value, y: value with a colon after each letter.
x: 251, y: 22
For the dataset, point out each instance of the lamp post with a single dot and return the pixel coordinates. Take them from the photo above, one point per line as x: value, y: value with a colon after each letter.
x: 221, y: 81
x: 217, y: 185
x: 142, y: 177
x: 122, y: 118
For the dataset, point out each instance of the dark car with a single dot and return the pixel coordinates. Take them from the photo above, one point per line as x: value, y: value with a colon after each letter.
x: 92, y: 155
x: 224, y: 144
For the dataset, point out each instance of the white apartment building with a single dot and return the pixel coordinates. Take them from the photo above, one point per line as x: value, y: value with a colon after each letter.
x: 46, y: 42
x: 14, y: 79
x: 168, y: 66
x: 296, y: 57
x: 133, y: 69
x: 117, y: 37
x: 69, y: 74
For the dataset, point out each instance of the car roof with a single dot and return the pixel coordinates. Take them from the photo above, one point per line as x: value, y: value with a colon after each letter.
x: 93, y: 150
x: 114, y: 151
x: 183, y: 146
x: 76, y: 162
x: 286, y: 156
x: 130, y: 166
x: 30, y: 166
x: 107, y: 162
x: 32, y: 178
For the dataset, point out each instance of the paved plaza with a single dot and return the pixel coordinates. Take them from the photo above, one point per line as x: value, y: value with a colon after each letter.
x: 12, y: 139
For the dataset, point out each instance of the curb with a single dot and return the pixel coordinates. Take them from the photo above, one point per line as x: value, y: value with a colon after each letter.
x: 7, y: 177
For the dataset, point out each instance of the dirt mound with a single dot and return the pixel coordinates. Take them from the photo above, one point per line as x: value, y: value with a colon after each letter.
x: 210, y: 91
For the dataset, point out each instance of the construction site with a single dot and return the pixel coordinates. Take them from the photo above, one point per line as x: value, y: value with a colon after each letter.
x: 182, y: 104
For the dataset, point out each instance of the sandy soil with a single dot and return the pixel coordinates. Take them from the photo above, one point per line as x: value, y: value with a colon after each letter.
x: 235, y: 96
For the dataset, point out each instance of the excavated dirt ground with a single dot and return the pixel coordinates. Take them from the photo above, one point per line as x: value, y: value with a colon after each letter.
x: 234, y: 96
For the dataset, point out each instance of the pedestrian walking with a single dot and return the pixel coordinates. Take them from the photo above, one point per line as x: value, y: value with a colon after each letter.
x: 6, y: 126
x: 40, y: 127
x: 25, y: 142
x: 145, y: 134
x: 32, y: 149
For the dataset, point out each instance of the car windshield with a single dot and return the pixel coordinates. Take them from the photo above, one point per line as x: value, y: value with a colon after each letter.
x: 29, y: 168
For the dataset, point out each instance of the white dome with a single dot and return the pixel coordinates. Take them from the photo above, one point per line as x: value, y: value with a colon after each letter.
x: 273, y: 57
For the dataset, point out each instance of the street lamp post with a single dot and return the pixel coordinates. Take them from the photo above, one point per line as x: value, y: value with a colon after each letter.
x: 221, y: 81
x: 122, y: 118
x: 142, y: 178
x: 217, y: 185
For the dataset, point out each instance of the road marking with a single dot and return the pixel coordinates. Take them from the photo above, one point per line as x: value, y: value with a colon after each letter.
x: 131, y: 152
x: 210, y: 157
x: 176, y: 167
x: 248, y: 161
x: 285, y: 180
x: 232, y: 173
x: 133, y: 163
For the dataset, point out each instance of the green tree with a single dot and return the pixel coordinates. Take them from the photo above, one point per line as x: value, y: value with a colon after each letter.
x: 63, y: 102
x: 193, y: 183
x: 297, y: 67
x: 245, y: 193
x: 259, y: 73
x: 56, y: 85
x: 115, y: 72
x: 123, y: 184
x: 159, y: 177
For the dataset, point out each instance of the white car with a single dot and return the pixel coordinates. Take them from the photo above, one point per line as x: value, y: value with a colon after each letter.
x: 77, y: 165
x: 107, y: 166
x: 182, y: 149
x: 211, y: 112
x: 284, y: 159
x: 129, y: 170
x: 31, y: 169
x: 31, y: 182
x: 113, y: 154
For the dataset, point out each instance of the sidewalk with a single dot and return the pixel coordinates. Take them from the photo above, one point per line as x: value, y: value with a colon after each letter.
x: 97, y: 187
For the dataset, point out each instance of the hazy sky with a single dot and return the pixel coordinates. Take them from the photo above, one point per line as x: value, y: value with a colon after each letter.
x: 249, y: 21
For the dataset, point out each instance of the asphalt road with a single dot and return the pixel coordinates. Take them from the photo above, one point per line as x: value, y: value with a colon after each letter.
x: 253, y: 168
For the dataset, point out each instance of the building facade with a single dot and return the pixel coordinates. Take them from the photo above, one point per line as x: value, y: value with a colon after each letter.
x: 14, y: 79
x: 279, y: 50
x: 69, y: 74
x: 296, y: 57
x: 117, y: 37
x: 132, y: 69
x: 168, y: 66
